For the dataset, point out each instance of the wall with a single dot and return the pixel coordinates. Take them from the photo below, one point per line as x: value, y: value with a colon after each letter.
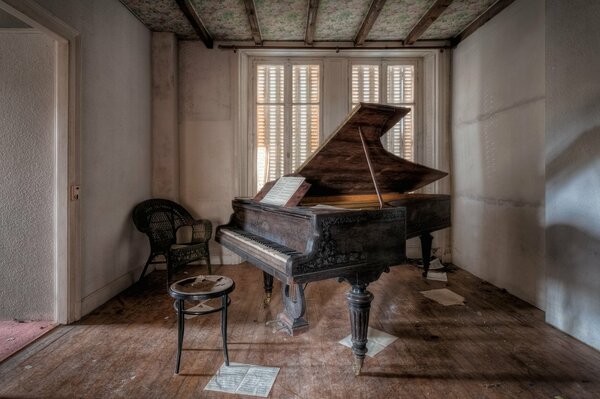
x: 27, y: 161
x: 573, y: 168
x: 498, y: 151
x: 115, y: 141
x: 207, y: 112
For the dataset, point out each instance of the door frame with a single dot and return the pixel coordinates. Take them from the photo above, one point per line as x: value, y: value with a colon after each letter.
x: 67, y: 231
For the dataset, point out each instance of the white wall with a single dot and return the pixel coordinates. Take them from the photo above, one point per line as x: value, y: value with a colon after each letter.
x: 573, y: 168
x: 115, y: 141
x: 27, y: 159
x: 498, y: 151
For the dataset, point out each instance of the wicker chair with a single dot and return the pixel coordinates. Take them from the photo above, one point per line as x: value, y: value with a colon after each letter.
x: 160, y: 219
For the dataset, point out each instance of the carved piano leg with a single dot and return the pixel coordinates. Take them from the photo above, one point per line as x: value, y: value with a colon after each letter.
x: 359, y: 304
x: 294, y: 306
x: 268, y: 285
x: 426, y: 239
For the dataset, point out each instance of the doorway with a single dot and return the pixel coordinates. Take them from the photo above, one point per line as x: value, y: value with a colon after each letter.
x: 39, y: 222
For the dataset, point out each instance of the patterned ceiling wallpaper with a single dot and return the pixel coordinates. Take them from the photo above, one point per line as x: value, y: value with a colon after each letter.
x: 337, y: 20
x: 282, y: 19
x: 340, y: 20
x: 162, y: 16
x: 397, y: 18
x: 224, y: 19
x: 457, y: 17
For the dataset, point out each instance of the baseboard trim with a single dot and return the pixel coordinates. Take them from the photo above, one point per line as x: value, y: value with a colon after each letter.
x: 102, y: 295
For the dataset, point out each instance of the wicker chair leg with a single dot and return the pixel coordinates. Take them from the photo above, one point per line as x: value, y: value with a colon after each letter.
x: 146, y: 266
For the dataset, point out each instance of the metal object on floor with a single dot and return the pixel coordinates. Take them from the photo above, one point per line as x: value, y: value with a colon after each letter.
x: 196, y: 289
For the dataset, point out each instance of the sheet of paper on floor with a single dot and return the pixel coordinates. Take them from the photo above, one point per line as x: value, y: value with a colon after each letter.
x: 444, y: 296
x: 243, y: 379
x: 378, y: 341
x: 434, y: 265
x: 437, y: 276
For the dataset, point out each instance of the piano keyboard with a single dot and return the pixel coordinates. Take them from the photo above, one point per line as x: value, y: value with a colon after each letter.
x: 272, y: 253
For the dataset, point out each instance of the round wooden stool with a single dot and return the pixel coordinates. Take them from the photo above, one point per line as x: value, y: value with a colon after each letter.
x: 201, y: 288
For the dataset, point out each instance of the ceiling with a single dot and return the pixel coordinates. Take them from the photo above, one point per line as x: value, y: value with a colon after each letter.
x: 354, y: 23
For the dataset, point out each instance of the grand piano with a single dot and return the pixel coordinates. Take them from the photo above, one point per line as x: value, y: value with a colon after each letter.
x: 349, y: 220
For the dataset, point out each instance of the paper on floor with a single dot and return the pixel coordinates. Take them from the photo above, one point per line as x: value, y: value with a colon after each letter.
x: 435, y: 264
x: 243, y: 379
x: 437, y: 276
x: 444, y: 296
x: 378, y: 340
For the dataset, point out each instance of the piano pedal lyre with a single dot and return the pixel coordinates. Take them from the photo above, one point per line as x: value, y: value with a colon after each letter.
x: 292, y: 318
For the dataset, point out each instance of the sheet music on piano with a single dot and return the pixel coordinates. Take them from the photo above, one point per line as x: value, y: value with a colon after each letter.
x: 283, y: 190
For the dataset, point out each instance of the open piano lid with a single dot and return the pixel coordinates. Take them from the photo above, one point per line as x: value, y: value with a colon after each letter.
x: 339, y: 166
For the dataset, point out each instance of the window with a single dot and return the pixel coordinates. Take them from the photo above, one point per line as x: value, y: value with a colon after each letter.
x: 395, y: 85
x: 288, y: 110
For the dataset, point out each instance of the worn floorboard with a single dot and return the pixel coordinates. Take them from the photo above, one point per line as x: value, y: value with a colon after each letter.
x: 495, y: 346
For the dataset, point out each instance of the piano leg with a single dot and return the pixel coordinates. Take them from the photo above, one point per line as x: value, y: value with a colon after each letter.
x: 268, y: 285
x: 359, y: 304
x: 426, y: 239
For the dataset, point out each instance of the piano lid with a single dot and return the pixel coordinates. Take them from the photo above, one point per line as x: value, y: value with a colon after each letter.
x: 339, y: 166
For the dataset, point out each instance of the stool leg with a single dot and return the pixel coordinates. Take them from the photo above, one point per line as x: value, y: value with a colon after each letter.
x: 224, y: 328
x: 180, y: 329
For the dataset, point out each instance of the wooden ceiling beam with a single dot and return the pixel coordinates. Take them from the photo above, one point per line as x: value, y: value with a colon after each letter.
x: 481, y: 20
x: 426, y: 20
x: 311, y: 21
x: 368, y: 22
x: 190, y: 13
x: 253, y: 19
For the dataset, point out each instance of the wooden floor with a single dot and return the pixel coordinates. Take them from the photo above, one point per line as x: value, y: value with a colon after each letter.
x: 495, y: 346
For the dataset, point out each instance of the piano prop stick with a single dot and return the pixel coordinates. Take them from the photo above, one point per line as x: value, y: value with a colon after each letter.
x: 354, y: 238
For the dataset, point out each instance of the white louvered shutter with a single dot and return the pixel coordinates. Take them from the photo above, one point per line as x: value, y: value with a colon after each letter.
x: 365, y: 84
x: 287, y: 118
x: 400, y: 91
x: 270, y: 123
x: 305, y: 112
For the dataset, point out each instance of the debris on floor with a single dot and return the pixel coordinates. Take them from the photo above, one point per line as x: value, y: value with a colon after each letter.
x: 378, y: 341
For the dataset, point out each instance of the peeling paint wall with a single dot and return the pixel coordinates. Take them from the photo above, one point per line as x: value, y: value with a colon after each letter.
x: 115, y: 133
x: 498, y: 151
x: 27, y: 267
x: 165, y: 126
x: 573, y: 168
